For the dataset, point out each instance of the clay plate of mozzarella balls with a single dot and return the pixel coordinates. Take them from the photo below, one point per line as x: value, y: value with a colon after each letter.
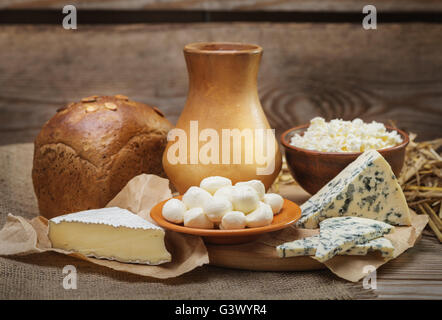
x: 217, y: 205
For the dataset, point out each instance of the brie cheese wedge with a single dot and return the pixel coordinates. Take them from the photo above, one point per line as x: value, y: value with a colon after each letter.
x: 110, y: 233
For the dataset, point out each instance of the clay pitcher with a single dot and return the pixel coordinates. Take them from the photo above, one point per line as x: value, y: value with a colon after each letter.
x: 222, y: 104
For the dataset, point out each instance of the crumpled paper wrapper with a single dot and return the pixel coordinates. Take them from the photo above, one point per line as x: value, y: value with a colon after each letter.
x: 20, y: 236
x: 351, y: 268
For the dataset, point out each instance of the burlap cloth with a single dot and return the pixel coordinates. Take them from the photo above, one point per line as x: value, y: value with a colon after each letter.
x: 40, y: 276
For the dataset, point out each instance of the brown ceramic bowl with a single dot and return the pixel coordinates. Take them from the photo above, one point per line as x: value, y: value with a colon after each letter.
x: 314, y: 169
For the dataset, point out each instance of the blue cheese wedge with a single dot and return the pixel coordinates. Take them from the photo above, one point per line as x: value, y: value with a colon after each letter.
x: 365, y: 188
x: 110, y: 233
x: 301, y: 247
x: 307, y: 247
x: 383, y: 245
x: 339, y: 234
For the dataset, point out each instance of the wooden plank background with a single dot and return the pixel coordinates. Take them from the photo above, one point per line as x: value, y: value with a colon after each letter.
x: 393, y: 73
x: 416, y: 274
x: 308, y: 69
x: 233, y: 5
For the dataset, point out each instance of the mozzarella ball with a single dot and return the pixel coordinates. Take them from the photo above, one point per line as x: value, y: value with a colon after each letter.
x: 233, y: 220
x: 215, y: 208
x: 173, y: 211
x: 196, y: 197
x: 195, y: 218
x: 245, y: 199
x: 225, y: 192
x: 275, y: 201
x: 212, y: 184
x: 255, y: 184
x: 262, y: 216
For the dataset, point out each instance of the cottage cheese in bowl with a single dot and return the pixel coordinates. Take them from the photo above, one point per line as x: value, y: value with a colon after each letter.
x: 345, y: 136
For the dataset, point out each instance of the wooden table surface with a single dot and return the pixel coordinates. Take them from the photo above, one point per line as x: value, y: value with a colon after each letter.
x: 308, y: 69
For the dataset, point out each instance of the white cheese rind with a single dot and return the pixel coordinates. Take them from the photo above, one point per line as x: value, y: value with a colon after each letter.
x: 366, y: 188
x: 307, y: 247
x: 339, y: 234
x: 110, y: 233
x: 114, y: 216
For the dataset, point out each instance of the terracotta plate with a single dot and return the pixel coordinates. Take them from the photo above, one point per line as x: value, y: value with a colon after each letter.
x: 289, y: 214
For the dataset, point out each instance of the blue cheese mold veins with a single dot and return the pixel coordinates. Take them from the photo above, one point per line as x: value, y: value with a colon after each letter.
x: 365, y: 188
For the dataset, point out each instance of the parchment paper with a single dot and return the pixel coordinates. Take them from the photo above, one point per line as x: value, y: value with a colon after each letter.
x: 21, y: 236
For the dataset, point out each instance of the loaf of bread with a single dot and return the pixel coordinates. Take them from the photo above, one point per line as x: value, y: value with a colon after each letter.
x: 88, y: 151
